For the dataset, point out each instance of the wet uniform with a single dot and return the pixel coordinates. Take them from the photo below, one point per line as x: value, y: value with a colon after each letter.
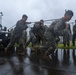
x: 56, y: 29
x: 17, y: 34
x: 36, y: 33
x: 66, y: 37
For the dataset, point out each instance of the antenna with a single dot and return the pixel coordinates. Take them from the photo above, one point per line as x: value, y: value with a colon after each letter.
x: 1, y: 14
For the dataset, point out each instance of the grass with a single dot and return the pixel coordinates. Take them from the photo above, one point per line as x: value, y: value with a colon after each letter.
x: 66, y: 47
x: 60, y: 46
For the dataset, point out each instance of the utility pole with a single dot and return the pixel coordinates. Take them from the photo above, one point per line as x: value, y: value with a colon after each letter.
x: 1, y: 14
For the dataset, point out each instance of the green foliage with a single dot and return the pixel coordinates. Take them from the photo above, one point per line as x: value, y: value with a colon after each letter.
x: 66, y: 47
x: 16, y: 45
x: 61, y: 46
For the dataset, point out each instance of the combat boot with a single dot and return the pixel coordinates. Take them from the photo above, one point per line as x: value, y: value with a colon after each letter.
x: 46, y: 56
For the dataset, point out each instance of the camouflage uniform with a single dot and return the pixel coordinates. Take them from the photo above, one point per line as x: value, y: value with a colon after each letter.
x: 17, y: 33
x: 54, y: 30
x: 37, y: 32
x: 66, y: 37
x: 22, y: 41
x: 43, y: 40
x: 32, y: 37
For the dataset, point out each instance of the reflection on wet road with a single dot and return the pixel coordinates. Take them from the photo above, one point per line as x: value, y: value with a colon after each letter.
x: 63, y: 63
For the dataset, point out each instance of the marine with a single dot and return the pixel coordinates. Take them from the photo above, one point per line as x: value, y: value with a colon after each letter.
x: 16, y: 35
x: 56, y: 29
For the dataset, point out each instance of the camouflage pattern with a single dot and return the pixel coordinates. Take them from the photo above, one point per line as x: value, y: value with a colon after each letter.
x: 38, y: 31
x: 36, y: 34
x: 43, y: 37
x: 32, y: 38
x: 22, y: 41
x: 17, y: 33
x: 54, y: 30
x: 66, y: 37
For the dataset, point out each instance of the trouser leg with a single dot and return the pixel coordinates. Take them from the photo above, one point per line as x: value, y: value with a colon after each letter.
x: 73, y: 40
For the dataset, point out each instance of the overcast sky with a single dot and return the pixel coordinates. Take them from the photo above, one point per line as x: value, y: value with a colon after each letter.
x: 35, y: 9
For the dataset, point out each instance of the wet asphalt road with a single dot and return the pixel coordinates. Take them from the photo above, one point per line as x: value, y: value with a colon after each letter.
x: 63, y: 63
